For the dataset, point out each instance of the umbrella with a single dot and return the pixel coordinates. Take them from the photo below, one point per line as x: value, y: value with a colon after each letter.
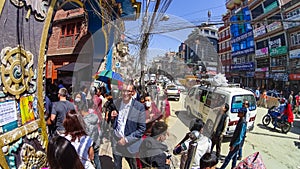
x: 109, y: 75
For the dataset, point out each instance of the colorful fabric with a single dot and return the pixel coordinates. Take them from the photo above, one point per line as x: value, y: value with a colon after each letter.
x: 253, y: 161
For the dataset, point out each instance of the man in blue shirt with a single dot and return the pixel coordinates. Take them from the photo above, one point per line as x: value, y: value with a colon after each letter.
x: 237, y: 139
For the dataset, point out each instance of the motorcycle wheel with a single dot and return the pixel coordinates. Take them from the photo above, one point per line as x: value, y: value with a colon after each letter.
x: 266, y: 120
x: 285, y: 127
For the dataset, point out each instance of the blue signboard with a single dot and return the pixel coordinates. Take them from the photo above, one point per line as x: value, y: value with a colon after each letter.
x: 243, y: 52
x: 245, y: 66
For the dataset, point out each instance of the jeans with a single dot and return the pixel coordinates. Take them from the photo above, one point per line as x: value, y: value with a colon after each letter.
x: 217, y: 140
x: 97, y: 159
x: 231, y: 155
x: 240, y: 153
x: 118, y: 162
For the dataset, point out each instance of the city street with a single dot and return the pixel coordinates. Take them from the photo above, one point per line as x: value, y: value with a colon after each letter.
x: 278, y: 150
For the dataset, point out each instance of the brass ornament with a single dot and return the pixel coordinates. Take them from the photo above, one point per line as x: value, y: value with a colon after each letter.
x: 16, y: 71
x: 37, y: 7
x: 30, y: 158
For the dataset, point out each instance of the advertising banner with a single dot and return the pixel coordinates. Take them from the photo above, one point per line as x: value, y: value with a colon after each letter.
x: 278, y: 51
x: 245, y: 66
x: 273, y: 26
x: 259, y: 31
x: 289, y: 24
x: 295, y: 54
x: 242, y: 52
x: 294, y: 76
x: 242, y: 37
x: 262, y: 52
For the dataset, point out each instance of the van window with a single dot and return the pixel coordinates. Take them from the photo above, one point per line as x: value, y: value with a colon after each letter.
x: 198, y: 95
x: 214, y: 100
x: 191, y: 93
x: 237, y: 102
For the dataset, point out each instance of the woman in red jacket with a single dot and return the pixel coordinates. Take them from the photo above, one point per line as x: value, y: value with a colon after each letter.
x: 287, y: 114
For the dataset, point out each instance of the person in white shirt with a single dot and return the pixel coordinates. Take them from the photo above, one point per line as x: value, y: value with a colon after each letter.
x: 129, y: 127
x: 203, y: 144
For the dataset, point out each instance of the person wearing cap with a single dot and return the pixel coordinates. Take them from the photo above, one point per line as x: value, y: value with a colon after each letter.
x: 237, y: 139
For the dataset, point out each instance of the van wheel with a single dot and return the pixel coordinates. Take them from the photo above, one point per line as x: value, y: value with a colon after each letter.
x: 189, y: 112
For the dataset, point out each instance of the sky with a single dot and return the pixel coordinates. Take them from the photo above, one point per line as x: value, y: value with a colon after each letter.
x: 182, y: 14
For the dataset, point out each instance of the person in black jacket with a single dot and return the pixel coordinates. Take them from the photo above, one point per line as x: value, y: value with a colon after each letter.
x: 107, y: 108
x: 237, y: 139
x: 217, y: 136
x: 153, y: 152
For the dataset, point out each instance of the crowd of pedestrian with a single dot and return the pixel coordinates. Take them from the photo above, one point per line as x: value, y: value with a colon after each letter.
x: 87, y: 118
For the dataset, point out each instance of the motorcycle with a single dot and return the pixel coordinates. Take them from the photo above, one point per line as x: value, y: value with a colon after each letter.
x: 270, y: 117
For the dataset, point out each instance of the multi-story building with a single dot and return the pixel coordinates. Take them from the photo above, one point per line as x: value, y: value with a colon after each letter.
x: 78, y: 45
x: 225, y: 47
x: 291, y: 14
x: 69, y: 33
x: 271, y: 49
x: 242, y: 42
x: 201, y: 50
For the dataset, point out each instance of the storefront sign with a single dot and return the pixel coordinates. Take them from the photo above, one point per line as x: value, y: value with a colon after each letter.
x: 259, y: 75
x: 246, y: 66
x: 264, y: 69
x: 278, y: 69
x: 274, y: 43
x: 259, y: 31
x: 242, y: 52
x: 295, y: 54
x: 290, y: 23
x: 278, y: 51
x: 242, y: 37
x: 249, y: 74
x: 273, y: 26
x: 262, y: 52
x: 270, y: 7
x: 294, y: 76
x: 280, y: 77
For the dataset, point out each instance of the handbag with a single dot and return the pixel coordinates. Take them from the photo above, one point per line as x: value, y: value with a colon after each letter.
x: 254, y: 161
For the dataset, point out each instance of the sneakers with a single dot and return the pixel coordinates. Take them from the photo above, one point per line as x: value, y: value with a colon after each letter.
x: 239, y: 158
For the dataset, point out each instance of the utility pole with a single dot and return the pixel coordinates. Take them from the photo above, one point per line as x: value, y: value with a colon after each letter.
x: 147, y: 27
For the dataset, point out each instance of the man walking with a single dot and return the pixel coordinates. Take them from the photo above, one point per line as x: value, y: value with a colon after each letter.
x: 217, y: 136
x: 129, y: 127
x: 59, y: 111
x: 236, y: 140
x: 247, y: 118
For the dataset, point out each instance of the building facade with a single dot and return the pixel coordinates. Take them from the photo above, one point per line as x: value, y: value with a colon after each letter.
x: 291, y: 14
x: 271, y: 49
x: 225, y: 47
x: 242, y: 43
x: 201, y: 52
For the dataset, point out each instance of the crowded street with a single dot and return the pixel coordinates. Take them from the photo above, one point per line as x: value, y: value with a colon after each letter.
x: 269, y: 143
x: 149, y: 84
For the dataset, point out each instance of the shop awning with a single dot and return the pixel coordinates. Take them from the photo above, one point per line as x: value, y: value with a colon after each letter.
x: 72, y: 67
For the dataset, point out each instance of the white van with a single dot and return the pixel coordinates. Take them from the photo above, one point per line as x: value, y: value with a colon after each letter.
x: 203, y: 101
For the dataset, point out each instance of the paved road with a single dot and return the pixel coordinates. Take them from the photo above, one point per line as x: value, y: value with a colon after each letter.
x: 278, y: 150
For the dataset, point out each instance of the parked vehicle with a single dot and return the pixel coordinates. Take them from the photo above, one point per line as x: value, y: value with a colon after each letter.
x: 203, y: 102
x: 270, y: 117
x: 172, y: 92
